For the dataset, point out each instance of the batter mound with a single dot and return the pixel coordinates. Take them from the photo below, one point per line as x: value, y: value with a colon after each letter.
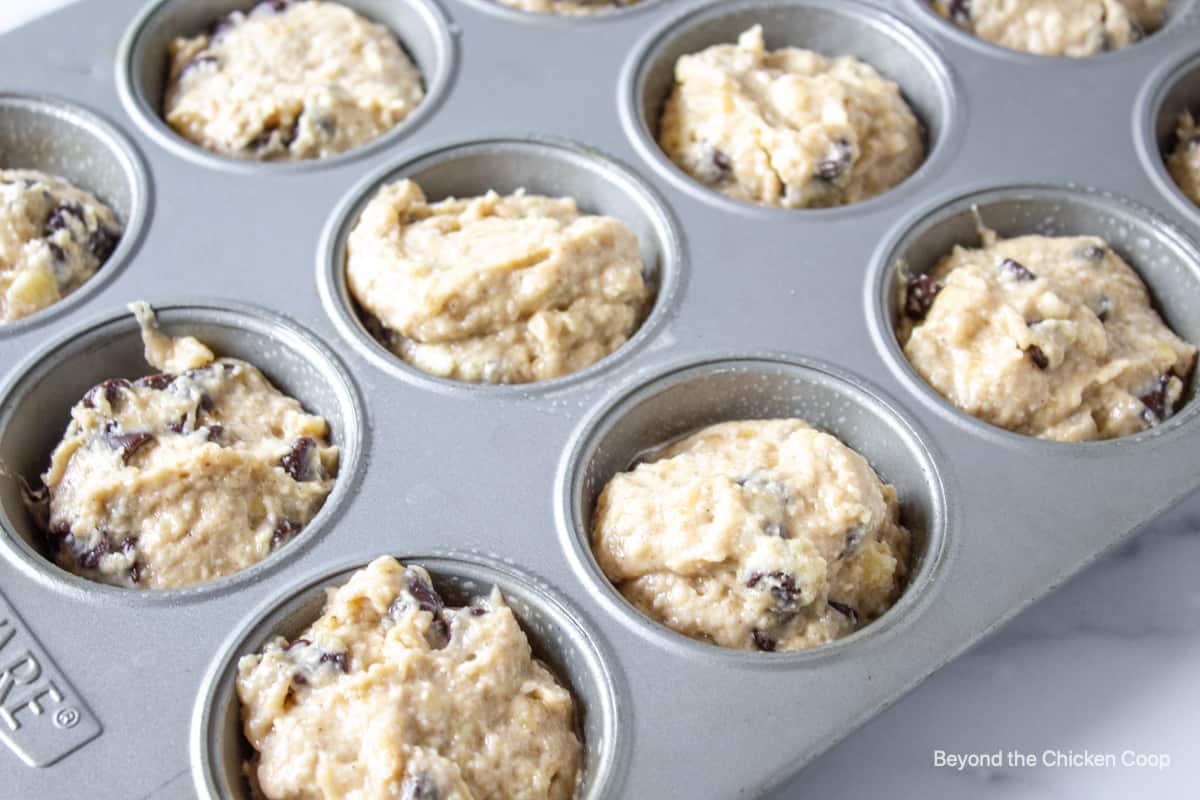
x: 184, y: 476
x: 495, y: 289
x: 289, y: 81
x: 392, y: 694
x: 571, y: 7
x: 756, y: 535
x: 788, y: 128
x: 1184, y: 161
x: 53, y: 237
x: 1056, y: 27
x: 1051, y: 337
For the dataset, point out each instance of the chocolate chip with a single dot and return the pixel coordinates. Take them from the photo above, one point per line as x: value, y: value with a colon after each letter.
x: 419, y: 787
x: 1158, y: 408
x: 128, y: 545
x: 338, y: 660
x: 422, y: 591
x: 763, y: 641
x: 854, y: 538
x: 1038, y: 357
x: 845, y: 611
x: 214, y: 432
x: 57, y: 219
x: 91, y: 559
x: 781, y: 585
x: 128, y: 443
x: 110, y: 389
x: 157, y: 382
x: 179, y: 426
x: 1093, y: 253
x: 836, y: 162
x: 57, y: 252
x: 721, y: 161
x: 285, y: 529
x: 265, y: 136
x: 135, y: 573
x: 102, y: 243
x: 1016, y: 270
x: 918, y: 299
x: 297, y: 643
x: 205, y: 403
x: 296, y: 462
x: 960, y: 10
x: 299, y: 679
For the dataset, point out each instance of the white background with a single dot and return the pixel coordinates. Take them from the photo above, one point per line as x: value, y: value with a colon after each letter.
x: 1110, y: 662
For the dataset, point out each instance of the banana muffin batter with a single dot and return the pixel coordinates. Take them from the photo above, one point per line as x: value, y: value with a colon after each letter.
x: 788, y: 127
x: 756, y: 535
x: 1051, y: 337
x: 393, y: 694
x: 1056, y: 27
x: 53, y: 237
x: 494, y: 289
x: 567, y: 6
x: 1184, y: 161
x: 184, y: 476
x: 289, y: 80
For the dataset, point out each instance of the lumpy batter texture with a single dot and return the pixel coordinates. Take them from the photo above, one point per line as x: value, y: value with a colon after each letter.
x: 53, y: 237
x: 1184, y: 161
x: 393, y: 694
x: 288, y: 81
x: 1056, y: 27
x: 572, y: 7
x: 788, y: 127
x: 1052, y: 337
x: 757, y: 535
x: 183, y: 476
x: 495, y: 289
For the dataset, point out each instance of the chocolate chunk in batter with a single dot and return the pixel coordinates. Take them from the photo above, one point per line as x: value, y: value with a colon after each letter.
x: 918, y: 299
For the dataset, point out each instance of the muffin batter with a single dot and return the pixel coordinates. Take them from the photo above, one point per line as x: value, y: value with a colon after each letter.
x: 182, y: 477
x: 392, y: 694
x: 53, y: 237
x: 288, y: 81
x: 756, y: 535
x: 1184, y: 161
x: 567, y: 6
x: 1056, y: 27
x: 788, y: 128
x: 1052, y: 337
x: 495, y: 289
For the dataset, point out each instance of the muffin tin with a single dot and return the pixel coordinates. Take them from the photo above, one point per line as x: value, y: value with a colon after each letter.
x: 759, y: 312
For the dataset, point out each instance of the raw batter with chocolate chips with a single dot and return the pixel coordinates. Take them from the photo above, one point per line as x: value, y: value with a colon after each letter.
x: 289, y: 80
x: 788, y: 127
x: 1184, y: 161
x: 756, y: 535
x: 53, y: 237
x: 495, y: 289
x: 570, y: 7
x: 184, y: 476
x: 1053, y: 337
x: 1056, y: 27
x: 392, y: 693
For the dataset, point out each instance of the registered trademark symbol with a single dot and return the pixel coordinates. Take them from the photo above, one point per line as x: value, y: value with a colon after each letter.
x: 66, y: 717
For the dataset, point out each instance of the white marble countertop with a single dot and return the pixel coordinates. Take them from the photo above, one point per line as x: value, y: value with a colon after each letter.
x: 1107, y: 666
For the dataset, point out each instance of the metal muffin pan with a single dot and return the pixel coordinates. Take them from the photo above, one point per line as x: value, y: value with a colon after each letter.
x: 759, y: 312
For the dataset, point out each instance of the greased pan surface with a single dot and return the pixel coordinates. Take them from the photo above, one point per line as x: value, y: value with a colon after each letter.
x: 760, y: 312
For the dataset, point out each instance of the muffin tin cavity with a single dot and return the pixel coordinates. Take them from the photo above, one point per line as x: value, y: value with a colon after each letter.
x: 1177, y: 12
x: 143, y: 63
x: 688, y: 398
x: 54, y: 137
x: 1173, y: 90
x: 828, y: 27
x: 35, y: 408
x: 1166, y: 259
x: 557, y: 634
x: 598, y: 184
